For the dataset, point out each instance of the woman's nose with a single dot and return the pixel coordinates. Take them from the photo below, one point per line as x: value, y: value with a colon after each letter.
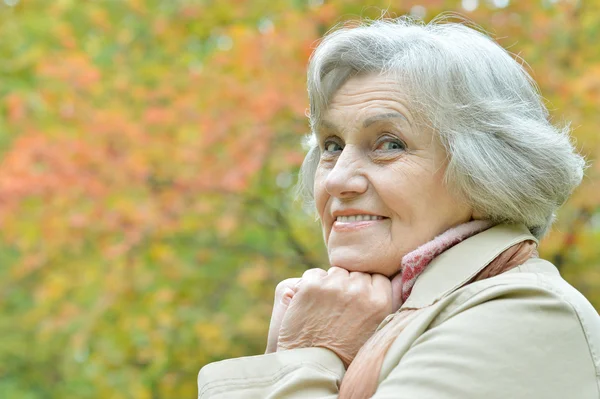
x: 346, y: 179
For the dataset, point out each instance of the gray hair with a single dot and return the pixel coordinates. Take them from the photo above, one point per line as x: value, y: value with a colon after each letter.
x: 504, y: 155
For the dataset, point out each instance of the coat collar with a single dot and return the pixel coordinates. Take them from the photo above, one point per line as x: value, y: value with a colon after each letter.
x: 456, y: 266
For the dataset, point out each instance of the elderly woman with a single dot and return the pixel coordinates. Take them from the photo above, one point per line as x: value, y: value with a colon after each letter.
x: 435, y: 171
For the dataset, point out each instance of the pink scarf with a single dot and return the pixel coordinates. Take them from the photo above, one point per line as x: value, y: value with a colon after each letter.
x: 416, y: 261
x: 362, y: 377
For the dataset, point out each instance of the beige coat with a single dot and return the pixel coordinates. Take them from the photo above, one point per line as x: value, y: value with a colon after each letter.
x: 525, y: 334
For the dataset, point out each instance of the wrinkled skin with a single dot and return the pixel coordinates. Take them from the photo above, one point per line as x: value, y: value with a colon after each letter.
x: 376, y: 161
x: 355, y: 292
x: 337, y: 310
x: 283, y: 295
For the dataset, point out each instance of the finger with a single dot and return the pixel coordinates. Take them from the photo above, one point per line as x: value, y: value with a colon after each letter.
x: 396, y: 292
x: 337, y: 271
x: 362, y: 281
x: 292, y: 283
x: 280, y: 307
x: 283, y: 286
x: 311, y: 276
x: 287, y: 296
x: 358, y: 275
x: 380, y: 282
x: 358, y: 283
x: 382, y: 286
x: 314, y: 272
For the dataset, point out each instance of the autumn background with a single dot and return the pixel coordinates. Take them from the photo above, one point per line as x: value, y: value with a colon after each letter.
x: 148, y: 152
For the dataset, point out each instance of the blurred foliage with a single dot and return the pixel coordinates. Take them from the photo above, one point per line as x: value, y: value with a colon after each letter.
x: 148, y: 152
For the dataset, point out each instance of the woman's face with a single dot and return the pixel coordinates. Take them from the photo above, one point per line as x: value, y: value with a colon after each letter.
x: 379, y: 185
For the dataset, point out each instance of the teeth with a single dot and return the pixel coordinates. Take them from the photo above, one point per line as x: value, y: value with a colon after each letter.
x: 357, y: 218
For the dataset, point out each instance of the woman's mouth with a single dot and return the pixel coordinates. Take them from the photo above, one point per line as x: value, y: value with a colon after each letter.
x: 355, y: 222
x: 357, y: 218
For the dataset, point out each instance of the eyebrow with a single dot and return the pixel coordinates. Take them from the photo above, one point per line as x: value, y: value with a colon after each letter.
x: 376, y: 118
x: 369, y: 121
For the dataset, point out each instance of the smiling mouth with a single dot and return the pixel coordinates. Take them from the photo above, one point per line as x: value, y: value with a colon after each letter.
x: 358, y: 218
x: 356, y: 222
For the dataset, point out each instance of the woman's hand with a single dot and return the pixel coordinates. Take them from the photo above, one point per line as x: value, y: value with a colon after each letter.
x: 337, y: 310
x: 283, y: 295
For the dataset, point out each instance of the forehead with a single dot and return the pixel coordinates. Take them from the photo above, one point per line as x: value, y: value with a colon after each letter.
x: 364, y: 82
x: 362, y: 96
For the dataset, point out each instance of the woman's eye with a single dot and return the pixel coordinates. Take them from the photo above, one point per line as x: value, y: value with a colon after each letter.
x: 332, y: 146
x: 391, y: 145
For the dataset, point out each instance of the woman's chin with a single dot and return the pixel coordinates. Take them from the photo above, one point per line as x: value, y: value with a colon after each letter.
x: 362, y: 261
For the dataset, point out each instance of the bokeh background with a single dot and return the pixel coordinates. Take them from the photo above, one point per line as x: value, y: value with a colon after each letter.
x: 148, y: 152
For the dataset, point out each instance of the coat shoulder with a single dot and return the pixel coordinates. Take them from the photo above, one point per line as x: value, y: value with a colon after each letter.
x: 525, y: 333
x: 536, y: 294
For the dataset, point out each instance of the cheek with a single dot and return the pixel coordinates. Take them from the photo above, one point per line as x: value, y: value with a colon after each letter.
x: 319, y: 191
x: 399, y: 189
x: 440, y: 206
x: 414, y: 193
